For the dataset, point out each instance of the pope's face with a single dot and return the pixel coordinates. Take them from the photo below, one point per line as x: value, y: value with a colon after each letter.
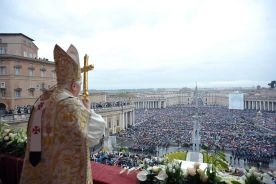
x: 76, y: 88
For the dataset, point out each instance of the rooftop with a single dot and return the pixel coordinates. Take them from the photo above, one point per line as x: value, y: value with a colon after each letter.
x: 16, y: 34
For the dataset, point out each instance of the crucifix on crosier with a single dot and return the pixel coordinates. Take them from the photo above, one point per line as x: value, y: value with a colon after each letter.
x: 85, y: 70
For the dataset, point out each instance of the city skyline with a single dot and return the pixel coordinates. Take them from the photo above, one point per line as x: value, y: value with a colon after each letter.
x: 156, y: 44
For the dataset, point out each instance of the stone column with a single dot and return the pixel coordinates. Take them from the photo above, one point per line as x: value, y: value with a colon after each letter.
x: 123, y: 120
x: 260, y: 105
x: 130, y: 117
x: 133, y: 117
x: 126, y: 120
x: 114, y: 125
x: 120, y: 120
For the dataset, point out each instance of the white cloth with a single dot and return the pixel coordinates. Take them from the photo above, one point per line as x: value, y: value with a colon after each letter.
x: 96, y: 128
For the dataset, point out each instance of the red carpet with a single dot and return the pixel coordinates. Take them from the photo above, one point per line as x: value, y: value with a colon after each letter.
x: 111, y: 174
x: 10, y: 169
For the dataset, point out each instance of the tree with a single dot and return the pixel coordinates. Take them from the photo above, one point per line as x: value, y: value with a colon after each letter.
x: 272, y: 84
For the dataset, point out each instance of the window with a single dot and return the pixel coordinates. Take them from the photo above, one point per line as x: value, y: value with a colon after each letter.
x: 2, y: 85
x: 42, y: 86
x: 53, y: 74
x: 117, y: 122
x: 2, y: 50
x: 18, y: 93
x: 42, y: 73
x: 17, y: 68
x: 3, y: 92
x: 31, y: 72
x: 31, y: 91
x: 2, y: 70
x: 25, y: 54
x: 109, y: 124
x: 17, y: 71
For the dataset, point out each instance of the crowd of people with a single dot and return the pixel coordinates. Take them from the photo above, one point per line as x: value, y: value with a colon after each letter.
x: 125, y: 159
x: 246, y: 133
x: 25, y: 109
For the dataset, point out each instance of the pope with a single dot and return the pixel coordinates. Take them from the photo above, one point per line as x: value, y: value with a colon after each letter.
x: 61, y: 129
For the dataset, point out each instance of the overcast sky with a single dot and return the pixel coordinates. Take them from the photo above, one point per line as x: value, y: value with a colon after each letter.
x: 155, y: 43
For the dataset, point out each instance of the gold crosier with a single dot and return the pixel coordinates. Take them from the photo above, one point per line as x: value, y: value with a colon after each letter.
x: 85, y: 70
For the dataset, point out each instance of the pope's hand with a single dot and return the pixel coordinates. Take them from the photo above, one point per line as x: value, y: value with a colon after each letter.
x: 86, y: 103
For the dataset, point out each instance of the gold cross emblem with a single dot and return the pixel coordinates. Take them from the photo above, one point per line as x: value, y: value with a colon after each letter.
x: 85, y: 70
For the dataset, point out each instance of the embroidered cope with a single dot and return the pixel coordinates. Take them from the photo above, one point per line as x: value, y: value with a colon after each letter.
x: 65, y: 124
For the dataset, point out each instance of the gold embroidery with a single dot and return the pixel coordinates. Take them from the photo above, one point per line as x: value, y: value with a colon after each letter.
x: 64, y: 153
x: 68, y: 117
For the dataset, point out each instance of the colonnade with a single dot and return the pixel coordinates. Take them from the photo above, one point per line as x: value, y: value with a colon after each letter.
x: 118, y: 118
x: 262, y: 105
x: 150, y: 104
x: 128, y: 119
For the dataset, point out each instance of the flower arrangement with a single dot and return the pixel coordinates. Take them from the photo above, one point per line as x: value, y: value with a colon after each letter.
x: 197, y: 175
x: 12, y: 140
x: 253, y: 176
x: 172, y: 173
x: 152, y: 174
